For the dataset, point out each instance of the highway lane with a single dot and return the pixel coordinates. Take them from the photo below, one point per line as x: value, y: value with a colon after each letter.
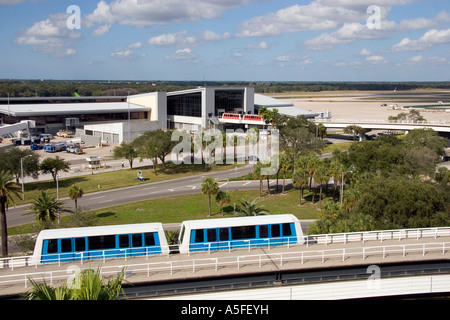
x: 188, y: 185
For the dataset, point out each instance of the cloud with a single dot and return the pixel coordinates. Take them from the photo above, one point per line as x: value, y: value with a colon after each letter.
x: 50, y: 36
x: 185, y: 54
x: 350, y: 32
x: 376, y: 59
x: 101, y: 30
x: 261, y: 46
x: 180, y: 39
x: 145, y: 13
x: 209, y: 35
x: 311, y: 17
x: 365, y: 52
x: 122, y: 53
x: 428, y: 40
x: 127, y: 52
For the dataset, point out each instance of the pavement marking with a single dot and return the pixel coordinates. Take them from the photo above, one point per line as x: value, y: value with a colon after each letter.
x: 246, y: 183
x: 93, y: 198
x: 106, y: 201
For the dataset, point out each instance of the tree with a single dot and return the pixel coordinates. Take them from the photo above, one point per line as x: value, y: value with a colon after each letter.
x: 153, y: 145
x: 75, y: 192
x: 54, y: 166
x: 11, y: 160
x: 87, y: 285
x: 209, y: 187
x: 300, y: 181
x: 400, y: 202
x: 247, y: 208
x: 321, y: 176
x: 46, y: 207
x: 285, y: 166
x: 126, y: 150
x: 257, y: 175
x: 7, y: 190
x: 222, y: 199
x: 355, y: 130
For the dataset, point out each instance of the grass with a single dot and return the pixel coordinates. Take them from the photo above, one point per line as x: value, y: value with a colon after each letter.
x: 194, y: 206
x: 116, y: 179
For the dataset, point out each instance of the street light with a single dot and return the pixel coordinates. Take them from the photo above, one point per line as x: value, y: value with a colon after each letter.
x: 21, y: 174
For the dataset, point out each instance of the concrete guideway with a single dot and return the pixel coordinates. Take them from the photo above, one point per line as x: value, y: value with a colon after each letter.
x: 345, y: 250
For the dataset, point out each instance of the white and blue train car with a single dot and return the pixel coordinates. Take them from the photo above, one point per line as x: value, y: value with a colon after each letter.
x: 242, y: 232
x: 69, y: 244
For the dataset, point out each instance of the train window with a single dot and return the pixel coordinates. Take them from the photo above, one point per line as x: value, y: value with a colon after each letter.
x: 223, y: 234
x: 149, y: 239
x: 66, y: 245
x: 80, y: 244
x: 244, y: 232
x: 275, y: 229
x: 102, y: 242
x: 286, y: 229
x: 199, y: 235
x: 52, y: 246
x: 211, y: 235
x: 123, y: 241
x: 136, y: 239
x: 263, y: 231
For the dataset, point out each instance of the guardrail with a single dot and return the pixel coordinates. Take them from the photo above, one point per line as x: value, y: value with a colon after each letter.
x: 425, y: 122
x: 237, y: 262
x: 379, y: 235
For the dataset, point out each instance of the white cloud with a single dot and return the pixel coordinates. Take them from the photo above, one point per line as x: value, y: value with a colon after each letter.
x: 376, y: 59
x: 122, y: 53
x: 365, y: 52
x: 135, y: 45
x: 209, y: 35
x: 314, y: 16
x: 180, y: 39
x: 127, y: 52
x: 50, y: 36
x: 144, y: 13
x: 261, y: 45
x: 185, y: 54
x: 101, y: 30
x: 429, y: 39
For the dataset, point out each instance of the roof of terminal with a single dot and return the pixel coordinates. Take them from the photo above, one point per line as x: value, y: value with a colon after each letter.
x: 46, y: 109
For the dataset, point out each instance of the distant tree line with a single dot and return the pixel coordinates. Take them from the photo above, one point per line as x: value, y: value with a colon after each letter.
x: 55, y: 88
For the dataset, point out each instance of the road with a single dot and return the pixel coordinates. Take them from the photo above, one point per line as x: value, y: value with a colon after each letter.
x: 17, y: 216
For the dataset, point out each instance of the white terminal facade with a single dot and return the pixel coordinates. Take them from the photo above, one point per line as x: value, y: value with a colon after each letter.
x: 117, y: 119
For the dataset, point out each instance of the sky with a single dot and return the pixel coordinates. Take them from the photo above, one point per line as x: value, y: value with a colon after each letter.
x: 226, y: 40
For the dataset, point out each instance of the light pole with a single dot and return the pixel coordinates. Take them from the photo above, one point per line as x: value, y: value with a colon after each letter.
x: 21, y: 174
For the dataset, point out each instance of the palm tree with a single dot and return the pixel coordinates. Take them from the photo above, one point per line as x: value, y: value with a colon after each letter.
x: 257, y: 175
x: 8, y: 188
x: 209, y: 187
x: 321, y: 176
x: 285, y: 166
x: 87, y: 285
x: 300, y: 181
x: 46, y: 207
x: 75, y: 192
x: 222, y: 199
x: 247, y: 208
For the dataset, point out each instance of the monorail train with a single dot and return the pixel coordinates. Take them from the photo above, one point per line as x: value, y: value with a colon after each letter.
x: 149, y: 238
x: 97, y: 242
x: 237, y: 116
x: 242, y: 232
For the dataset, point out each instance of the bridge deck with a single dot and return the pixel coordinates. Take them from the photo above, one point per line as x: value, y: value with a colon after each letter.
x: 240, y: 261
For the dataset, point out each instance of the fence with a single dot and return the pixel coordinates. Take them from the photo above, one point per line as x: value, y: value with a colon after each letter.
x: 323, y: 239
x: 236, y: 262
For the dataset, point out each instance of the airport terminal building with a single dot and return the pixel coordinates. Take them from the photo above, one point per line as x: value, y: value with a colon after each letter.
x: 123, y: 118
